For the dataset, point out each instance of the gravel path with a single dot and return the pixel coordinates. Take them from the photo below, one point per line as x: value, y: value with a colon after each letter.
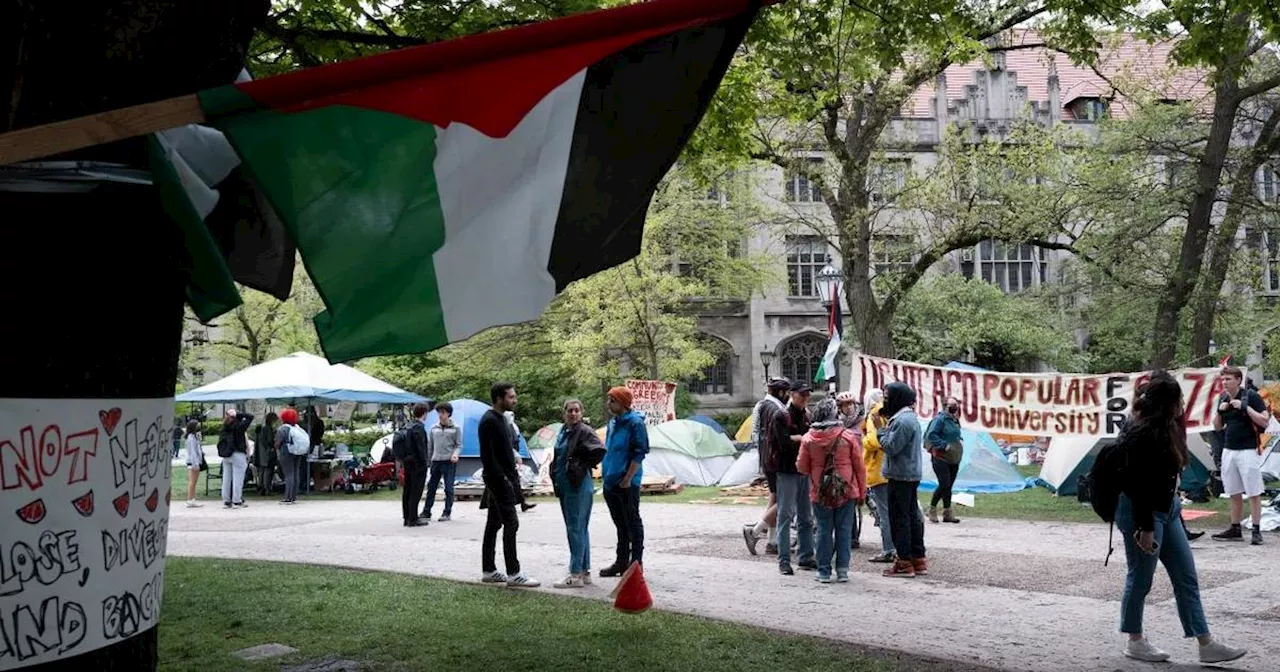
x: 1004, y: 594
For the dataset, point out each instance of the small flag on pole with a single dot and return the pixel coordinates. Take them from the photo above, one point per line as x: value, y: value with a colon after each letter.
x: 827, y: 371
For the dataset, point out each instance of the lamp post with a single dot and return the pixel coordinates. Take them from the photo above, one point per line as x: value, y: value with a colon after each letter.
x: 829, y: 282
x: 766, y: 358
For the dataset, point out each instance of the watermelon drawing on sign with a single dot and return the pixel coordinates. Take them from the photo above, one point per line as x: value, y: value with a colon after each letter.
x: 32, y: 513
x: 84, y: 504
x: 122, y: 504
x: 153, y: 501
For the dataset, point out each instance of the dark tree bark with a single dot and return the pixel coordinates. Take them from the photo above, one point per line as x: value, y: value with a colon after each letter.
x: 94, y: 282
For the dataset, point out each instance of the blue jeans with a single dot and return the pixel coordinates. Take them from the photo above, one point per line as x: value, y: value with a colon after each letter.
x: 880, y: 495
x: 793, y: 504
x: 835, y: 526
x: 575, y: 506
x: 1175, y: 553
x: 448, y: 471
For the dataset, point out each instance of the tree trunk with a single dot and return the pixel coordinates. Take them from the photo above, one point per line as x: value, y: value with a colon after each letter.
x: 1224, y: 241
x: 1177, y: 292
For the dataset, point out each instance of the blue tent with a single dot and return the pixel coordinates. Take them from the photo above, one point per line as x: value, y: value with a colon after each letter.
x: 466, y: 414
x: 708, y: 422
x: 983, y: 469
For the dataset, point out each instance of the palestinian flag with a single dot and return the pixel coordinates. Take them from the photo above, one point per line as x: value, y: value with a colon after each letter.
x: 437, y: 191
x: 829, y: 368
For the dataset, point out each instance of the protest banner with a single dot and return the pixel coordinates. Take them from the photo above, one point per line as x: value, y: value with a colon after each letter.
x: 655, y: 399
x: 1039, y: 404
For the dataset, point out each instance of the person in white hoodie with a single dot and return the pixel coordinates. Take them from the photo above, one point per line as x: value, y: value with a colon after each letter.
x: 195, y: 457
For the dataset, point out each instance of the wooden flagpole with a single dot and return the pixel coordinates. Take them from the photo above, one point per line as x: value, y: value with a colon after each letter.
x: 96, y: 129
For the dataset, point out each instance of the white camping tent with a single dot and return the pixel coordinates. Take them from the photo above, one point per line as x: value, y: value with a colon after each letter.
x: 1069, y: 457
x: 692, y: 452
x: 744, y: 469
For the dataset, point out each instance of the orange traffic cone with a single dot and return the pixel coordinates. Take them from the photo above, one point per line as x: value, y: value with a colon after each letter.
x: 631, y: 595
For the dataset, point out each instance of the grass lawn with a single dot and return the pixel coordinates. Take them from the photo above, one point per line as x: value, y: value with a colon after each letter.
x: 399, y: 622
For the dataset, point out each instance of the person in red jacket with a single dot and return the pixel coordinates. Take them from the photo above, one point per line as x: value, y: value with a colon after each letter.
x: 833, y: 453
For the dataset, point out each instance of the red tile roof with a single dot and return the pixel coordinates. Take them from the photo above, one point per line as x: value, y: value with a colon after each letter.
x: 1126, y: 60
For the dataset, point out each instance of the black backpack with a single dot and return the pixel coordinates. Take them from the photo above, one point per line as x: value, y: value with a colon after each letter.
x: 1101, y: 487
x: 400, y: 443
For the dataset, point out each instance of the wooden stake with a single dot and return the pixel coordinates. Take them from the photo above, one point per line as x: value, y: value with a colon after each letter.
x: 96, y: 129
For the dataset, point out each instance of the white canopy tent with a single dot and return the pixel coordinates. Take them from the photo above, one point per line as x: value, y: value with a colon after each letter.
x: 300, y: 377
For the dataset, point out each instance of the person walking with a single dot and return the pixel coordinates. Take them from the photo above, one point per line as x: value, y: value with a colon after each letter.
x: 415, y: 468
x: 577, y: 451
x: 1149, y: 514
x: 501, y: 491
x: 898, y: 430
x: 831, y: 458
x: 626, y: 445
x: 265, y: 454
x: 444, y: 441
x: 761, y: 419
x: 1242, y: 416
x: 289, y: 463
x: 946, y: 447
x: 877, y: 484
x: 233, y: 447
x: 194, y: 460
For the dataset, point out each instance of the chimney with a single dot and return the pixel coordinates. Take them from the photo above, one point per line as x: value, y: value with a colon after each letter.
x: 1055, y: 97
x: 940, y: 106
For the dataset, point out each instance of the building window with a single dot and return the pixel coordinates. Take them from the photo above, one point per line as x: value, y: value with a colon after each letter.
x: 1091, y: 109
x: 1271, y: 261
x: 800, y: 189
x: 806, y: 255
x: 1012, y: 268
x: 801, y: 357
x: 719, y: 190
x: 1269, y: 183
x: 891, y: 253
x: 717, y: 378
x: 888, y: 179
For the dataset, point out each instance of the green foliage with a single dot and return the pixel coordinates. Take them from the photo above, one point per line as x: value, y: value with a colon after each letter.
x: 949, y: 318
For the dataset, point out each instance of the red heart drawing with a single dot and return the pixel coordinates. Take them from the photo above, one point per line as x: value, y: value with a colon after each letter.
x: 109, y: 419
x: 153, y: 501
x: 122, y: 504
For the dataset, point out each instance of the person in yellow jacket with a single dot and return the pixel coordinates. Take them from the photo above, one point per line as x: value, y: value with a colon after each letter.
x: 877, y: 484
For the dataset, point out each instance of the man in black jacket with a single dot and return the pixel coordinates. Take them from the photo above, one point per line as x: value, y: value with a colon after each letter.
x: 415, y: 468
x: 502, y: 490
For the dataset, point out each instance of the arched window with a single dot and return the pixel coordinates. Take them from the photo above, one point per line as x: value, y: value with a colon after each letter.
x: 717, y: 378
x: 800, y: 358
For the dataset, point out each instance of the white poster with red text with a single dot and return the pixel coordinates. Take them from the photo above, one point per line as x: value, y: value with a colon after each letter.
x: 655, y: 399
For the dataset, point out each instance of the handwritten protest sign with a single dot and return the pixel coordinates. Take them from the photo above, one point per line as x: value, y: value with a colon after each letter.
x: 655, y: 399
x: 1037, y: 404
x: 84, y: 503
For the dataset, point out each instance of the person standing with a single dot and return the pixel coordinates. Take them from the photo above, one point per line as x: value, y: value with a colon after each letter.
x: 787, y: 430
x: 444, y: 441
x: 288, y: 461
x: 264, y: 453
x: 577, y: 451
x: 831, y: 458
x: 234, y: 447
x: 1242, y: 415
x: 177, y: 438
x: 947, y: 450
x: 899, y: 434
x: 1149, y: 514
x: 877, y: 484
x: 415, y: 468
x: 761, y: 421
x: 626, y: 445
x: 501, y: 491
x: 194, y: 458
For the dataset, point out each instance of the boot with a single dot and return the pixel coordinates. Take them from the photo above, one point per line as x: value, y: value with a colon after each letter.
x: 949, y: 516
x: 921, y: 566
x: 901, y: 569
x: 933, y: 514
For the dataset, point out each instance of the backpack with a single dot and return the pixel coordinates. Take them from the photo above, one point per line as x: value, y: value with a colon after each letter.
x: 299, y: 442
x: 833, y: 490
x: 225, y: 446
x: 400, y: 443
x: 1102, y: 485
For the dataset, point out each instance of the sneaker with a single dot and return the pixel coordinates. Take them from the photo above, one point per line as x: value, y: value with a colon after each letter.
x: 191, y: 504
x: 1141, y: 649
x: 445, y: 518
x: 749, y: 536
x: 823, y: 578
x: 282, y: 502
x: 1232, y: 533
x: 1192, y: 536
x: 426, y: 516
x: 1256, y: 536
x: 1217, y: 652
x: 526, y: 508
x: 522, y: 581
x: 571, y: 581
x: 239, y: 505
x: 883, y: 558
x: 586, y: 578
x: 616, y: 569
x: 493, y: 577
x: 842, y: 577
x: 770, y: 549
x: 786, y: 570
x: 226, y: 505
x: 808, y: 565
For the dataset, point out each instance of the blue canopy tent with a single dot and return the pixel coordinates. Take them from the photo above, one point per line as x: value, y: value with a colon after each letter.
x: 467, y: 414
x: 710, y: 422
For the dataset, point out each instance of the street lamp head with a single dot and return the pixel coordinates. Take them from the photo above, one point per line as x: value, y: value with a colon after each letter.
x: 828, y: 282
x: 766, y: 356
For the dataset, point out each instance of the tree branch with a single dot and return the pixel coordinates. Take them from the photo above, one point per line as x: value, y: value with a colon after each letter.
x: 355, y: 37
x: 1260, y: 87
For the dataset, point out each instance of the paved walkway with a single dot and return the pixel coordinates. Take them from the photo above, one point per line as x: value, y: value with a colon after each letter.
x: 1010, y: 595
